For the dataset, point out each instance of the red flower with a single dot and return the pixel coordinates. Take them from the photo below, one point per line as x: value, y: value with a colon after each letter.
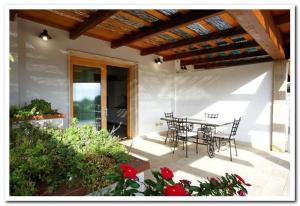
x: 241, y: 180
x: 166, y: 173
x: 185, y: 181
x: 175, y: 190
x: 241, y: 193
x: 128, y: 171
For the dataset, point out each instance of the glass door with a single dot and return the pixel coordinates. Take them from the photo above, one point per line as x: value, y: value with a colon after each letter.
x: 87, y: 95
x: 117, y: 113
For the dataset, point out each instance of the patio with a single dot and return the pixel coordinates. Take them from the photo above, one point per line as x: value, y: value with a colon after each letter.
x: 122, y: 70
x: 268, y: 172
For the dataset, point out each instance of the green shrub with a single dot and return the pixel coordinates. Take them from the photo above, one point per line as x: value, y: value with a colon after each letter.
x: 76, y: 156
x: 37, y: 106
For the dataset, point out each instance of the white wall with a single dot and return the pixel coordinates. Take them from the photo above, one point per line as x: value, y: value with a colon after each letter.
x: 42, y: 66
x: 244, y: 91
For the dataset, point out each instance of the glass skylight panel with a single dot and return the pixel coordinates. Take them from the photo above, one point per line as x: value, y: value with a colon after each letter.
x: 168, y: 12
x: 218, y: 22
x: 127, y: 21
x: 253, y: 49
x: 239, y: 39
x: 236, y: 52
x: 181, y: 33
x: 167, y: 37
x: 144, y: 15
x: 198, y: 28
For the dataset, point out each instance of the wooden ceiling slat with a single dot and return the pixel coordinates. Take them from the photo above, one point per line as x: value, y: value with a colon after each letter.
x: 198, y: 39
x: 212, y: 50
x: 157, y: 14
x: 222, y: 58
x: 95, y: 18
x: 51, y: 19
x: 161, y: 26
x: 232, y: 63
x: 260, y: 25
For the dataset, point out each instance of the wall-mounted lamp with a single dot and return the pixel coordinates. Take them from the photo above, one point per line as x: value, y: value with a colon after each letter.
x: 158, y: 60
x: 44, y: 35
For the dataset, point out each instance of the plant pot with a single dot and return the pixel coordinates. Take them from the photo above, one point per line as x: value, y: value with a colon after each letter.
x: 53, y: 120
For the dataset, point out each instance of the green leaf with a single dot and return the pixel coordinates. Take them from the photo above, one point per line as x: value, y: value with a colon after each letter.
x: 132, y: 183
x: 150, y: 183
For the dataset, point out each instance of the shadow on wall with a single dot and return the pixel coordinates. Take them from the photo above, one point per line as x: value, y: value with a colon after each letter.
x: 233, y: 92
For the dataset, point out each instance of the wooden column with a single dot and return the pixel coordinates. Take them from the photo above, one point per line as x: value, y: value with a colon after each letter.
x: 280, y: 110
x: 132, y: 100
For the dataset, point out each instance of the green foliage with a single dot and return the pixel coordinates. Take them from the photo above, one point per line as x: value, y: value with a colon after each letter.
x: 76, y: 156
x: 37, y: 106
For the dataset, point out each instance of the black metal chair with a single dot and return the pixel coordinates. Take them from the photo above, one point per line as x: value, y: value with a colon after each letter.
x: 184, y: 131
x: 171, y: 127
x: 211, y: 115
x: 228, y: 137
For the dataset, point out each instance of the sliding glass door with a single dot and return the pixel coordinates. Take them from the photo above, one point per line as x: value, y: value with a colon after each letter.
x: 87, y: 95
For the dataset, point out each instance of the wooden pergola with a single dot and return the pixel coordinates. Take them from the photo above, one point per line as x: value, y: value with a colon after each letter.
x: 202, y: 38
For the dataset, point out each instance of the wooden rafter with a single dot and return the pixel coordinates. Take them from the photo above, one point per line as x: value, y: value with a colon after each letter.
x: 12, y: 14
x: 95, y: 19
x: 232, y: 63
x: 223, y: 58
x: 199, y: 39
x: 260, y: 25
x: 161, y: 26
x: 282, y: 19
x: 211, y: 50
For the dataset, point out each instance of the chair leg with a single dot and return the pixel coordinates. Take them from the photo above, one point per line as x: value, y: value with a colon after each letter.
x: 235, y: 147
x: 167, y: 137
x: 175, y: 143
x: 186, y: 148
x: 197, y: 144
x: 230, y: 150
x: 183, y: 145
x: 219, y: 144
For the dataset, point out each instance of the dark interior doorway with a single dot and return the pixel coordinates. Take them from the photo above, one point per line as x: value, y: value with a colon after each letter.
x: 117, y: 100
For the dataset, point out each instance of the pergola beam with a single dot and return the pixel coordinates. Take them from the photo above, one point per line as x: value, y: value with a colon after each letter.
x: 199, y: 39
x: 92, y: 21
x: 12, y: 14
x: 282, y: 19
x: 260, y: 25
x: 230, y: 47
x: 223, y: 58
x: 161, y: 26
x: 232, y: 63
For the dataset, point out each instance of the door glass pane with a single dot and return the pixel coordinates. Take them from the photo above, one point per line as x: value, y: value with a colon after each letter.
x: 117, y: 100
x: 87, y: 95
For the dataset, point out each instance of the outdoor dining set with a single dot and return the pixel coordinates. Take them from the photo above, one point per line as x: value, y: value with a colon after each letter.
x: 201, y: 131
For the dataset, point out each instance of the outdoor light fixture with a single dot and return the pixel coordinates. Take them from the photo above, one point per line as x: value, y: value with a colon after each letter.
x: 44, y: 35
x: 158, y: 60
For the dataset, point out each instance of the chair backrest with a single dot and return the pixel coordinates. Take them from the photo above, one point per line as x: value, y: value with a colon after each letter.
x: 211, y: 115
x: 169, y: 115
x: 170, y: 123
x: 235, y: 126
x: 181, y: 125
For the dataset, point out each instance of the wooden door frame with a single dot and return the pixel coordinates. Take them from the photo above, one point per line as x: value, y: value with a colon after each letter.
x: 96, y: 61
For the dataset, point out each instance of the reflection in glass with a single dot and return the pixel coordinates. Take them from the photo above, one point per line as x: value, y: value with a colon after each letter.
x: 87, y: 95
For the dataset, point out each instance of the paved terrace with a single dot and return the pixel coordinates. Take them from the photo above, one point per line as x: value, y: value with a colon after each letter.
x: 268, y: 172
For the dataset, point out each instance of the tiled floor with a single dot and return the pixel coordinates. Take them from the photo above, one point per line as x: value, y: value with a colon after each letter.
x: 268, y: 172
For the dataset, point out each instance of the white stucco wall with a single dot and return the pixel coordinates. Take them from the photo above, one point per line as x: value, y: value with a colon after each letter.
x: 240, y: 91
x: 43, y: 71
